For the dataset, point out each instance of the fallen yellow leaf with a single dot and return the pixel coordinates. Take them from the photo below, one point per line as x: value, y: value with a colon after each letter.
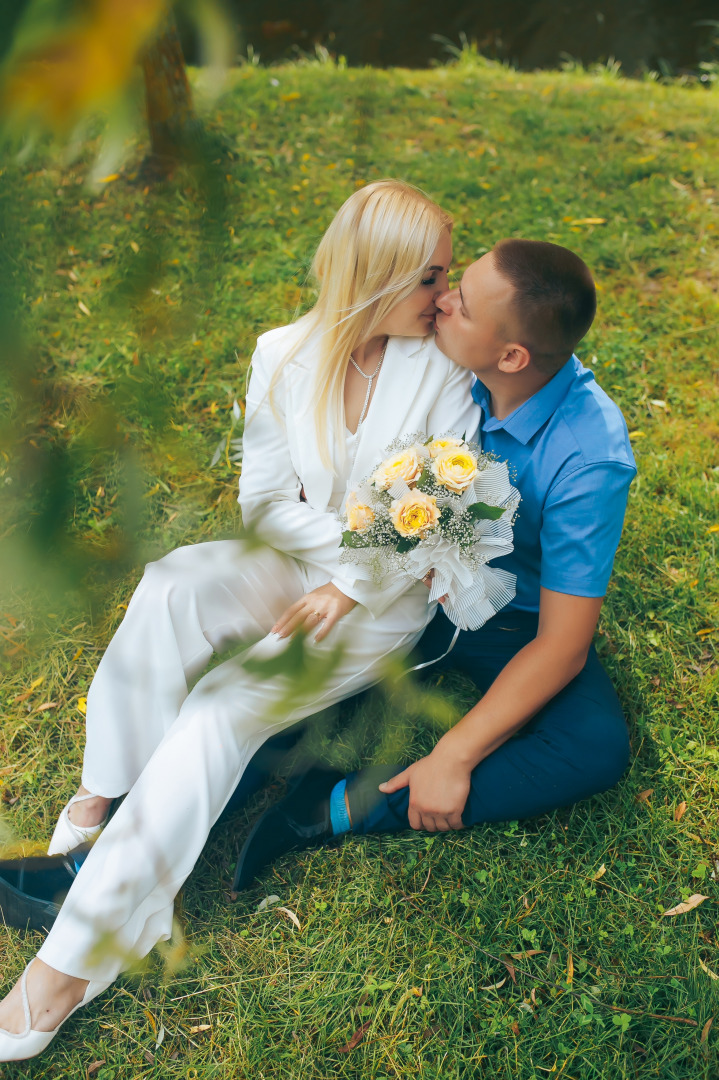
x: 589, y: 221
x: 290, y: 915
x: 710, y: 973
x: 644, y: 795
x: 637, y: 434
x: 600, y: 873
x: 705, y: 1029
x: 109, y: 179
x: 680, y: 811
x: 713, y: 528
x: 688, y: 905
x: 83, y: 308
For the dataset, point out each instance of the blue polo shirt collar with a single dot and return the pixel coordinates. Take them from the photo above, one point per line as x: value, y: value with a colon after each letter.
x: 526, y: 420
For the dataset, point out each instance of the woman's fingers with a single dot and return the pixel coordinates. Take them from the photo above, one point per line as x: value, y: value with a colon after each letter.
x: 325, y: 625
x: 306, y: 617
x: 316, y: 612
x: 304, y: 620
x: 292, y: 618
x: 287, y: 617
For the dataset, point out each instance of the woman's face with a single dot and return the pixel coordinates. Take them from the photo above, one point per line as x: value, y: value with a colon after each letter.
x: 414, y: 316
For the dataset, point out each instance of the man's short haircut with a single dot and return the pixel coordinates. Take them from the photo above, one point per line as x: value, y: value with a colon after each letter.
x: 554, y: 302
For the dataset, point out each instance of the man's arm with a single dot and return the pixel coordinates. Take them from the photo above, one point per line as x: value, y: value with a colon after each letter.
x: 439, y: 783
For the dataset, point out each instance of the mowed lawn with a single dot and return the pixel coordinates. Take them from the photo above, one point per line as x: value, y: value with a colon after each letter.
x: 532, y: 949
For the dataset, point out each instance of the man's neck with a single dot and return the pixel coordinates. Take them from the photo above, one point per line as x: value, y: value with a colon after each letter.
x: 508, y: 392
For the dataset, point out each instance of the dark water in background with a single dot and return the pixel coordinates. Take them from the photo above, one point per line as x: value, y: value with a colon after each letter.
x: 528, y: 33
x: 661, y: 35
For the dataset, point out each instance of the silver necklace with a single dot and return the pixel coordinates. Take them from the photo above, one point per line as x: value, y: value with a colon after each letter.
x: 369, y: 378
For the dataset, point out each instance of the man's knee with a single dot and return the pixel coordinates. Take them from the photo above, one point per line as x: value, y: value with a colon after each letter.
x: 605, y: 753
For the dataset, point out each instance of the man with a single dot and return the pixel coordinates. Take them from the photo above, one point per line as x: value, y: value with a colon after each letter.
x: 514, y: 321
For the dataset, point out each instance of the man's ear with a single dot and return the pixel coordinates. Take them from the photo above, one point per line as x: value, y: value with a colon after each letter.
x: 514, y: 359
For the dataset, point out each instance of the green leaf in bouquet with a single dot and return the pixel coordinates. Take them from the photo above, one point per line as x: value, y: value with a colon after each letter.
x: 483, y: 511
x: 406, y: 544
x: 351, y: 539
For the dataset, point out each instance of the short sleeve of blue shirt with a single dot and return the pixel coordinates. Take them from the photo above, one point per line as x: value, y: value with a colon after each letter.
x: 581, y: 526
x: 569, y: 451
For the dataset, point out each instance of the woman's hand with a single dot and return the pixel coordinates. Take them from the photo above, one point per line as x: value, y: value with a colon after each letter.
x: 321, y: 608
x: 428, y: 579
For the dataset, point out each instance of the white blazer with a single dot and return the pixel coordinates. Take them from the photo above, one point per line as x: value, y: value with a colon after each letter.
x: 418, y: 389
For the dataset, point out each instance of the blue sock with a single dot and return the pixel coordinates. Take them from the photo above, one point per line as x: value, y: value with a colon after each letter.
x: 339, y: 818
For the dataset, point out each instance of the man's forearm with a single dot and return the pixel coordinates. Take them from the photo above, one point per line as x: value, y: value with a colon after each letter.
x: 531, y: 678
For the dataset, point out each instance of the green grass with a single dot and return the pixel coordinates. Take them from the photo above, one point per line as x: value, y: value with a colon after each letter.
x: 110, y: 422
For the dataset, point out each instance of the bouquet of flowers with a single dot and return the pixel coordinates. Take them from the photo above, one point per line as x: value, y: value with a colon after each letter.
x: 437, y: 504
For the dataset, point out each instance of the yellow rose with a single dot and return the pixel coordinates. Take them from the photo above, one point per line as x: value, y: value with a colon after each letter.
x: 415, y: 514
x: 406, y: 466
x: 438, y: 445
x: 359, y: 515
x: 455, y: 469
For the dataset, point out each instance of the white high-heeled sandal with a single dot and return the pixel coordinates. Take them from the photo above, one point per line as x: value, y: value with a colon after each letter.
x: 29, y: 1043
x: 67, y: 835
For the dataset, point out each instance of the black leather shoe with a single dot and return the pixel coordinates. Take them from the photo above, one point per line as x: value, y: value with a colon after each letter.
x: 300, y: 820
x: 32, y: 889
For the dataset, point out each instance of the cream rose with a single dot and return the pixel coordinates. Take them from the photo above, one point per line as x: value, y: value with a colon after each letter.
x: 438, y: 445
x: 455, y: 469
x: 406, y: 466
x: 359, y: 515
x: 415, y: 514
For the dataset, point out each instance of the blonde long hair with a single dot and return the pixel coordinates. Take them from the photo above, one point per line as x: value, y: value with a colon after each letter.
x: 373, y: 255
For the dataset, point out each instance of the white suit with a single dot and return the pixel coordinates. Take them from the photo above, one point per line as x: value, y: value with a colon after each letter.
x: 178, y: 752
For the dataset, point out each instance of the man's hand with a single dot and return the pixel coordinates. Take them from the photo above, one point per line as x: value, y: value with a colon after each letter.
x: 438, y: 791
x: 321, y: 608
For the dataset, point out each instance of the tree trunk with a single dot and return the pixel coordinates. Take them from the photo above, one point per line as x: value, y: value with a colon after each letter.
x: 171, y: 116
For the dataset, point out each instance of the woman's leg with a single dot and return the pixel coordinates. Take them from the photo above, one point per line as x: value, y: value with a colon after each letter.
x: 195, y: 600
x: 120, y: 904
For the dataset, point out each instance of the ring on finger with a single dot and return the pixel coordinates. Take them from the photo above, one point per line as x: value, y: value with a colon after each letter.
x: 319, y: 614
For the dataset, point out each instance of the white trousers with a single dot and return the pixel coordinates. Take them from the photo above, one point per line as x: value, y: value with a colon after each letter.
x: 179, y: 755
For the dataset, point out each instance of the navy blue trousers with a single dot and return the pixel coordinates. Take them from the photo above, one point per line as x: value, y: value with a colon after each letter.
x: 576, y: 746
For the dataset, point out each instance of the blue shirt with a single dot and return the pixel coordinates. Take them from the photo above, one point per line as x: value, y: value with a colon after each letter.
x: 569, y: 447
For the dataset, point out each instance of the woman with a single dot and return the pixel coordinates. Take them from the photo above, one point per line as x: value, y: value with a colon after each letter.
x: 326, y: 396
